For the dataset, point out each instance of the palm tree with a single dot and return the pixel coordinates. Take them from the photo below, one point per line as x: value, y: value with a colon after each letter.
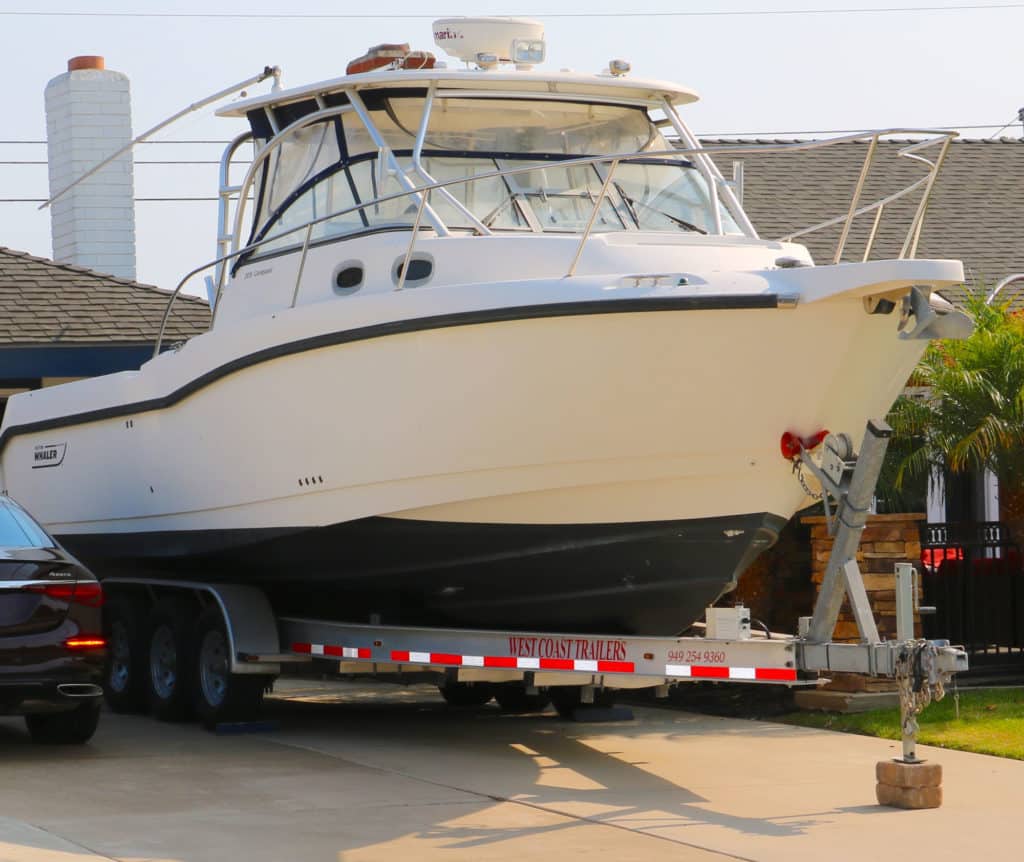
x: 970, y: 416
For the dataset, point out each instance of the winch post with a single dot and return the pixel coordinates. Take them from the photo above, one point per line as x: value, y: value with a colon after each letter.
x: 905, y: 632
x: 842, y: 576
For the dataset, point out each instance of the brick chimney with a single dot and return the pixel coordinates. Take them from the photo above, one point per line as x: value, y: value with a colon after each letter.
x: 88, y: 117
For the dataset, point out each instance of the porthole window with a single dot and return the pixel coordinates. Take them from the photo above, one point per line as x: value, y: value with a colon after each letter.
x: 421, y: 268
x: 348, y: 277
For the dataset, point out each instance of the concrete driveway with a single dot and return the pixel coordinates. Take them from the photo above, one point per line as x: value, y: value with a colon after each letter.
x: 358, y: 773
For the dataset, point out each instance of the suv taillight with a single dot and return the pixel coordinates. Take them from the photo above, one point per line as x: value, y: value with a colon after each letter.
x: 87, y: 593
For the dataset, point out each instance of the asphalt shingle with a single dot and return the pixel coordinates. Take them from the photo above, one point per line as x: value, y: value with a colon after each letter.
x: 43, y: 302
x: 975, y: 214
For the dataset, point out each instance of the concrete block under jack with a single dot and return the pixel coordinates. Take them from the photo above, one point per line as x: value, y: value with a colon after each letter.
x: 908, y: 797
x: 908, y: 785
x: 900, y: 774
x: 845, y: 701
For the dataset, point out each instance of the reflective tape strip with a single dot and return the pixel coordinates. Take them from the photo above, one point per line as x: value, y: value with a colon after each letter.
x: 778, y: 674
x: 513, y: 662
x: 332, y: 650
x: 774, y: 674
x: 686, y: 671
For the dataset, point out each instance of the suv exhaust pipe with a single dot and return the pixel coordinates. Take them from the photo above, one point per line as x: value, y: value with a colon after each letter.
x: 79, y: 689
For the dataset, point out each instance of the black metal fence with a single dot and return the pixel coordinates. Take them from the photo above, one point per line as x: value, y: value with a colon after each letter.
x: 972, y: 574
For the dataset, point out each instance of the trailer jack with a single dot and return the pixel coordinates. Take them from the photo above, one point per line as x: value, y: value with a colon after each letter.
x: 922, y: 668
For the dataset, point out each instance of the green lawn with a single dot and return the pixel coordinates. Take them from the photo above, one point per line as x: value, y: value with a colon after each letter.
x: 991, y: 722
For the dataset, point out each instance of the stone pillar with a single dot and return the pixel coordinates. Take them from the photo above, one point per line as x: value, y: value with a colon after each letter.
x: 887, y: 540
x: 88, y: 117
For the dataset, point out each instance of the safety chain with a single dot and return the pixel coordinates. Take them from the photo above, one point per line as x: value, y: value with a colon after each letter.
x: 919, y: 680
x: 799, y: 473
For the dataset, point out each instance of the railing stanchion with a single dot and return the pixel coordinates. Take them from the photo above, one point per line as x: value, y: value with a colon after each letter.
x: 874, y: 232
x: 593, y: 217
x: 914, y: 234
x: 412, y: 241
x: 302, y: 263
x: 861, y: 180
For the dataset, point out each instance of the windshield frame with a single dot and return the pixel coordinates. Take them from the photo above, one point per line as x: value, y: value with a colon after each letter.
x: 387, y: 158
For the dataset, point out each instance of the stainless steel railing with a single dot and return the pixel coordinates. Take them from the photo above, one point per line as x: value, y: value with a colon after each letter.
x: 422, y: 192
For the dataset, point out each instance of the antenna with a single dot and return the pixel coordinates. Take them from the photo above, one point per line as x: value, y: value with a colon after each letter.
x: 268, y: 72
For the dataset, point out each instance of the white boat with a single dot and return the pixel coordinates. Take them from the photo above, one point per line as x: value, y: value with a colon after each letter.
x: 488, y: 349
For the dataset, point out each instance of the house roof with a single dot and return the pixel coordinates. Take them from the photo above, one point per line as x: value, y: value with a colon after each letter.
x: 976, y: 213
x: 55, y: 304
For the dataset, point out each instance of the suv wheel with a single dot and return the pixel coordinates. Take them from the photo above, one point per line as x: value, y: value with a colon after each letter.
x: 65, y: 728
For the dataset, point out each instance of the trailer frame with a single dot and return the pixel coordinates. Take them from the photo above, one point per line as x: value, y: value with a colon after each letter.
x: 260, y: 645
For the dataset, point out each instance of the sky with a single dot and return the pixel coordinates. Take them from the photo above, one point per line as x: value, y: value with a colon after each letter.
x: 767, y: 73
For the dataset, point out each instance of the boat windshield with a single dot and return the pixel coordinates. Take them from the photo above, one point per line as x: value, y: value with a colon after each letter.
x: 335, y: 164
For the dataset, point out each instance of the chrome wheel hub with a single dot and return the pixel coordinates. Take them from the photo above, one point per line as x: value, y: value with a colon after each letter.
x: 213, y: 667
x: 163, y: 662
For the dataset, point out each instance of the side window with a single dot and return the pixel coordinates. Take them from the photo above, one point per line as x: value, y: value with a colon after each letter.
x: 332, y: 194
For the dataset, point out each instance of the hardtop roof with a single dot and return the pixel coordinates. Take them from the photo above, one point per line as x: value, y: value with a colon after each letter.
x: 562, y: 84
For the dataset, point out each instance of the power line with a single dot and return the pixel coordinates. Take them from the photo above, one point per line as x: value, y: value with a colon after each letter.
x: 140, y: 143
x: 136, y: 162
x: 846, y: 131
x: 928, y: 127
x: 708, y: 13
x: 137, y: 200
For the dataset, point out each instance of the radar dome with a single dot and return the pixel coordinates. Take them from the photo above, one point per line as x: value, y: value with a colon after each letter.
x: 489, y: 41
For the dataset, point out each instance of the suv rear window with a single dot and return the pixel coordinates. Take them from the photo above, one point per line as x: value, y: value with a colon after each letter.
x: 18, y: 530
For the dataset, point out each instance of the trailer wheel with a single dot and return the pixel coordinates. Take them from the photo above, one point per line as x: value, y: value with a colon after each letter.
x: 466, y: 694
x: 512, y: 697
x: 172, y: 660
x: 567, y: 699
x: 221, y: 695
x: 125, y: 671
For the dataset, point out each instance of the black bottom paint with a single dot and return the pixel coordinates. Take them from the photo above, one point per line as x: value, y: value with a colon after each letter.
x: 651, y: 578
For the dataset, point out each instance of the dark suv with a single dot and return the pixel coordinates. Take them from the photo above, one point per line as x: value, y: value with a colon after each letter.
x: 51, y: 643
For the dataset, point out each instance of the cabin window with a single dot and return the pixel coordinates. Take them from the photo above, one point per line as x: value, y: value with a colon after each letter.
x: 297, y: 159
x: 660, y: 196
x: 529, y: 126
x: 421, y: 268
x: 335, y: 165
x: 348, y: 277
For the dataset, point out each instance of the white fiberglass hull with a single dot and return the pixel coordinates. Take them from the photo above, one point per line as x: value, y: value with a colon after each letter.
x: 652, y: 407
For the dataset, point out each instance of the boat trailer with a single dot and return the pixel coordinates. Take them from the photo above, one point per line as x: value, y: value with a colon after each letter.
x: 264, y: 644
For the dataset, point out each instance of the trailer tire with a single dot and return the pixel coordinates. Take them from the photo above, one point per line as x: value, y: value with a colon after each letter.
x: 568, y: 698
x: 512, y: 697
x: 171, y: 660
x: 73, y: 727
x: 126, y: 671
x: 222, y: 696
x: 466, y: 694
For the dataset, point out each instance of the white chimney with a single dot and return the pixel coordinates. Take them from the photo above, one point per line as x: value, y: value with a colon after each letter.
x: 88, y: 117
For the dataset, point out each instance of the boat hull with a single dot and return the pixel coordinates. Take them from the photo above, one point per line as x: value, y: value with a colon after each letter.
x: 651, y: 578
x: 528, y: 446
